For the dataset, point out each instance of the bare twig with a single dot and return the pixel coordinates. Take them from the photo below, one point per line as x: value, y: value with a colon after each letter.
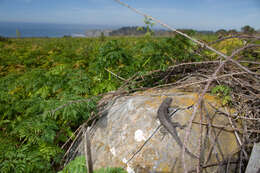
x: 235, y: 116
x: 226, y: 129
x: 215, y: 164
x: 128, y: 81
x: 200, y: 142
x: 153, y: 133
x: 70, y: 138
x: 119, y: 77
x: 187, y: 36
x: 250, y: 62
x: 67, y: 104
x: 236, y: 134
x: 146, y: 141
x: 199, y: 82
x: 213, y: 77
x: 237, y: 63
x: 87, y: 147
x: 67, y: 152
x: 235, y: 72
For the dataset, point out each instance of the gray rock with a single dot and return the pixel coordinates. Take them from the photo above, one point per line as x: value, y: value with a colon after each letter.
x: 131, y: 121
x: 254, y: 161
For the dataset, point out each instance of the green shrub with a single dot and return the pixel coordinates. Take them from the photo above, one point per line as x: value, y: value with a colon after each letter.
x: 38, y: 76
x: 223, y: 92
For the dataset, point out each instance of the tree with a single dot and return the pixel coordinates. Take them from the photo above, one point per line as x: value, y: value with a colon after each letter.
x: 232, y: 31
x: 221, y: 32
x: 18, y: 34
x: 248, y: 30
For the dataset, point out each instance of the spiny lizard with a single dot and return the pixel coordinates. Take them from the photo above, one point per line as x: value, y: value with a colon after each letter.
x: 163, y: 116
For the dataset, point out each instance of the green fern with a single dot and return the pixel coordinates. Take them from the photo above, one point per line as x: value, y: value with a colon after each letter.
x: 38, y: 76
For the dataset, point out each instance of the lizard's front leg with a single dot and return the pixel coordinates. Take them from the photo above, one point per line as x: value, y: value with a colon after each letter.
x: 176, y: 124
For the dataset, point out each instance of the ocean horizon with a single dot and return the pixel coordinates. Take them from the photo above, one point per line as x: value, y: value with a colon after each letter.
x: 8, y: 29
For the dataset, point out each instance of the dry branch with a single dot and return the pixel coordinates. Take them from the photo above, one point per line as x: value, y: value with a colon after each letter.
x: 210, y: 80
x: 245, y: 82
x: 119, y: 77
x: 87, y: 148
x: 183, y: 34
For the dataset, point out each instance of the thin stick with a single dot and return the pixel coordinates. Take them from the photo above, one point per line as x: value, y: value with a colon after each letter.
x: 183, y: 64
x: 119, y: 77
x: 128, y: 81
x: 237, y: 63
x: 213, y: 77
x: 87, y: 147
x: 200, y: 142
x: 234, y: 116
x: 74, y: 134
x: 183, y: 34
x: 225, y: 128
x: 213, y: 145
x: 236, y: 134
x: 167, y: 26
x: 215, y: 164
x: 72, y: 143
x: 199, y: 82
x: 250, y: 62
x: 52, y: 112
x: 146, y: 141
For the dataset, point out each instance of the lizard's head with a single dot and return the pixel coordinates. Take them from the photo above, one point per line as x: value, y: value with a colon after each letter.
x: 168, y: 100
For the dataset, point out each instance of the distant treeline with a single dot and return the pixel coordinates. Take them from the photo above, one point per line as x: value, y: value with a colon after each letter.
x: 140, y: 31
x: 129, y: 30
x: 137, y: 31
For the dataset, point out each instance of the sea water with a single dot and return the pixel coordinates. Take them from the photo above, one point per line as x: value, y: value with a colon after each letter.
x: 8, y: 29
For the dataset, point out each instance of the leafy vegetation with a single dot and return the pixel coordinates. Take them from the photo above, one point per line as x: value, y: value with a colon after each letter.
x: 223, y: 92
x: 39, y: 76
x: 78, y: 165
x: 248, y: 29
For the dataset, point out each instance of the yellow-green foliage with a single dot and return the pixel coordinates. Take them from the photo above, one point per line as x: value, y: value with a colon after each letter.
x: 226, y: 47
x: 41, y: 74
x: 223, y: 92
x: 229, y: 45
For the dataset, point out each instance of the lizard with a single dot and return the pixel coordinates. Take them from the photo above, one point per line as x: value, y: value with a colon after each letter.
x: 164, y: 118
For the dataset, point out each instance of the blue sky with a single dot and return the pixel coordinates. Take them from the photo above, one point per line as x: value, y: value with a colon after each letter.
x: 196, y: 14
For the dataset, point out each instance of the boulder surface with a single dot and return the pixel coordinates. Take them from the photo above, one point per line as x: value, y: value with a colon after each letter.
x: 131, y: 121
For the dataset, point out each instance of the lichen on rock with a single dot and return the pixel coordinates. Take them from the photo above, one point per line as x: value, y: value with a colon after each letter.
x: 132, y: 119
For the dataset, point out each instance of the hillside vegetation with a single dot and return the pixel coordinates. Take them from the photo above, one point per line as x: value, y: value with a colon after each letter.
x: 39, y: 76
